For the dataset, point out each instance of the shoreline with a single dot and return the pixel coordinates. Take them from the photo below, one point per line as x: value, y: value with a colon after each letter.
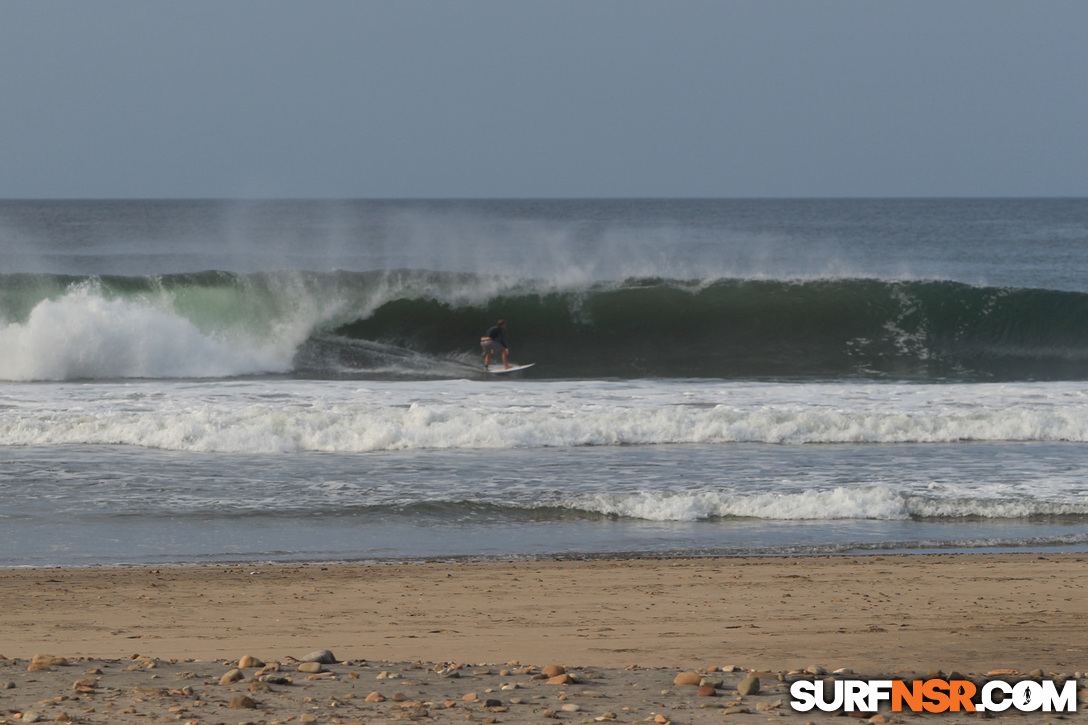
x: 589, y: 556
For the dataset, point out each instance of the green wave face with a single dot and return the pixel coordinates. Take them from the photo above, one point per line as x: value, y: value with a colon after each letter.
x: 758, y: 329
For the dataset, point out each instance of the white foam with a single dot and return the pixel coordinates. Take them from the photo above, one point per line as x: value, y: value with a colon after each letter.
x: 256, y: 416
x: 836, y: 503
x: 85, y: 335
x: 867, y: 502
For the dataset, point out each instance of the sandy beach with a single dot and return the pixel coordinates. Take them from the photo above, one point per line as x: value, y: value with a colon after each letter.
x: 623, y: 629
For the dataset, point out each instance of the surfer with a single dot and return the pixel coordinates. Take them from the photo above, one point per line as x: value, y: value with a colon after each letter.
x: 494, y: 341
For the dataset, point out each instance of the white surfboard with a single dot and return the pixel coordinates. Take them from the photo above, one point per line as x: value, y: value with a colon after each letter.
x: 500, y: 370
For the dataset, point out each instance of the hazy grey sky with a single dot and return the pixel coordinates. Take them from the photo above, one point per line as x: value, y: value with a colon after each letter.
x: 543, y: 98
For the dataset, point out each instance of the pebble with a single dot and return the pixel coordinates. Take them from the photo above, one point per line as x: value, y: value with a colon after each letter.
x: 570, y: 707
x: 311, y: 666
x: 49, y: 661
x: 85, y: 686
x: 321, y: 656
x: 232, y: 676
x: 688, y: 678
x: 249, y: 661
x: 749, y: 685
x: 243, y: 702
x: 553, y: 670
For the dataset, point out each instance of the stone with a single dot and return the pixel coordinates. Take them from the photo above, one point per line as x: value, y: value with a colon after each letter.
x: 375, y: 697
x: 553, y: 671
x: 232, y: 676
x: 49, y: 661
x: 85, y: 686
x: 248, y: 661
x: 564, y: 679
x: 709, y: 682
x: 322, y: 656
x: 706, y: 691
x: 259, y: 686
x: 688, y: 678
x: 311, y: 667
x: 660, y: 719
x: 748, y: 686
x: 735, y: 710
x: 150, y: 691
x: 570, y: 707
x: 243, y: 702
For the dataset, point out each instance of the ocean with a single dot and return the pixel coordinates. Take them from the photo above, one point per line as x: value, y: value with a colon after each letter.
x: 273, y: 381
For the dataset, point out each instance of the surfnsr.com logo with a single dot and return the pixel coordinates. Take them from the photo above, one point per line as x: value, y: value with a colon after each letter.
x: 934, y: 695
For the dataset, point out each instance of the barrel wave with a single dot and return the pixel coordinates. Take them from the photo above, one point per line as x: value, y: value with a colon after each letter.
x: 425, y: 323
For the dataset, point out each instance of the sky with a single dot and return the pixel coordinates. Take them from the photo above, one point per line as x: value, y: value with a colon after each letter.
x: 543, y: 98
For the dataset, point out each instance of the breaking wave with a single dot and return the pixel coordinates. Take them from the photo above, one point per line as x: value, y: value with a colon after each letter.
x: 315, y: 325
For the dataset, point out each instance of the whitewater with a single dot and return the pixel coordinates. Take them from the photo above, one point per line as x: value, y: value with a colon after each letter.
x: 278, y: 381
